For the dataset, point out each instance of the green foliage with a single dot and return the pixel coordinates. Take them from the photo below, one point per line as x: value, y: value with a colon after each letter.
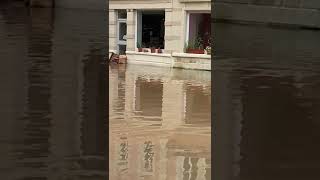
x: 195, y: 43
x: 198, y: 43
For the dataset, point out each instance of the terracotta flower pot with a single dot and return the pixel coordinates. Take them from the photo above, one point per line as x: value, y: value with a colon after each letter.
x: 195, y: 51
x: 139, y: 49
x: 153, y: 50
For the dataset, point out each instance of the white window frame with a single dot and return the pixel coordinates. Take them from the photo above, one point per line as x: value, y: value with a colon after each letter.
x: 120, y: 20
x: 188, y: 12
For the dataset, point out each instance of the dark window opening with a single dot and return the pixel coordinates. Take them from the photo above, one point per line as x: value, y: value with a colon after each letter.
x: 152, y: 29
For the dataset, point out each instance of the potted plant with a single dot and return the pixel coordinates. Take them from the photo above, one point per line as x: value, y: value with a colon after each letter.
x: 139, y: 47
x: 208, y: 48
x: 159, y: 50
x: 195, y: 46
x: 153, y: 50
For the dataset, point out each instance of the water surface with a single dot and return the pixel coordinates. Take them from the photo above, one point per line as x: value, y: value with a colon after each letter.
x: 266, y: 103
x: 53, y: 93
x: 160, y: 123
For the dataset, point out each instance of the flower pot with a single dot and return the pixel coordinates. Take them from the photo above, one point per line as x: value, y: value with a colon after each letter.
x: 139, y: 49
x: 153, y: 50
x: 195, y: 51
x: 159, y: 51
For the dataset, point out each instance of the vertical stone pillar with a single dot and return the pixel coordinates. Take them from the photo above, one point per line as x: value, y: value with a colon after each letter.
x: 168, y: 45
x: 131, y: 29
x: 174, y: 19
x: 173, y: 108
x: 112, y: 30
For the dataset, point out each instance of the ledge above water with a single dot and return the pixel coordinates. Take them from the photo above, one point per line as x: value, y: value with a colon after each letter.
x: 174, y: 60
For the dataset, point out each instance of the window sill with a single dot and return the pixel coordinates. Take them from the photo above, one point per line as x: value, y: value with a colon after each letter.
x: 148, y: 53
x: 189, y: 55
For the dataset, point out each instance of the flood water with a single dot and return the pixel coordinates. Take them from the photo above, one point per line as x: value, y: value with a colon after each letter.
x: 53, y: 108
x: 266, y: 103
x: 160, y: 123
x: 53, y: 105
x: 53, y: 94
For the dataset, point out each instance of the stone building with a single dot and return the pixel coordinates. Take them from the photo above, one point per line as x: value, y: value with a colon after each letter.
x: 161, y: 24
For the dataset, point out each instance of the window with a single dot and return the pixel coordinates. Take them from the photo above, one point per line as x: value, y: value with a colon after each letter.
x: 150, y: 28
x: 199, y: 28
x: 122, y: 31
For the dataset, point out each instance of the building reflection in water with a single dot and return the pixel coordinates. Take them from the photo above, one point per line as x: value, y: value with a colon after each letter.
x: 160, y: 123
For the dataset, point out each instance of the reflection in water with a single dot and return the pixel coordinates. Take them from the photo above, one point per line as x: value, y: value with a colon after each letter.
x: 160, y: 124
x: 53, y: 94
x: 266, y: 104
x: 148, y: 156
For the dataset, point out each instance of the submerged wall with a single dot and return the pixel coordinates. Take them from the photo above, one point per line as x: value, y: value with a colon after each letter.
x: 293, y: 12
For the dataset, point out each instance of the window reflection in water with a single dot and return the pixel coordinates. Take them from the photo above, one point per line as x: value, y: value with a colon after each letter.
x: 123, y: 155
x: 198, y: 103
x: 148, y: 156
x: 149, y: 97
x: 162, y: 118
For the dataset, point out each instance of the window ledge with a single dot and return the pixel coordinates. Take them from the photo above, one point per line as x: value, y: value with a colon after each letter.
x: 189, y: 55
x: 148, y: 53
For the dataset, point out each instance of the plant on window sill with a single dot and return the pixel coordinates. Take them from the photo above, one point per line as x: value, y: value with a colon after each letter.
x: 195, y: 46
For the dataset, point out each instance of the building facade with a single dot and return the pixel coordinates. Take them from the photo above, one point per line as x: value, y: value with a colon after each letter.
x: 168, y: 25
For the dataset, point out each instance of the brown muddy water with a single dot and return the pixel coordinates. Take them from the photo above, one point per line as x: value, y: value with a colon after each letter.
x: 160, y: 123
x: 266, y: 84
x: 53, y: 105
x: 53, y: 94
x: 54, y: 112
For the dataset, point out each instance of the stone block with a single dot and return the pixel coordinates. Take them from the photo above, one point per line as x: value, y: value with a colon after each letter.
x: 313, y: 4
x: 292, y: 3
x: 42, y: 3
x: 268, y: 14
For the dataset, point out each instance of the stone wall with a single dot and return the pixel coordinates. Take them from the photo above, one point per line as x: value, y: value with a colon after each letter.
x: 41, y: 3
x: 70, y: 4
x: 277, y: 44
x: 175, y: 20
x: 290, y: 12
x: 83, y: 4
